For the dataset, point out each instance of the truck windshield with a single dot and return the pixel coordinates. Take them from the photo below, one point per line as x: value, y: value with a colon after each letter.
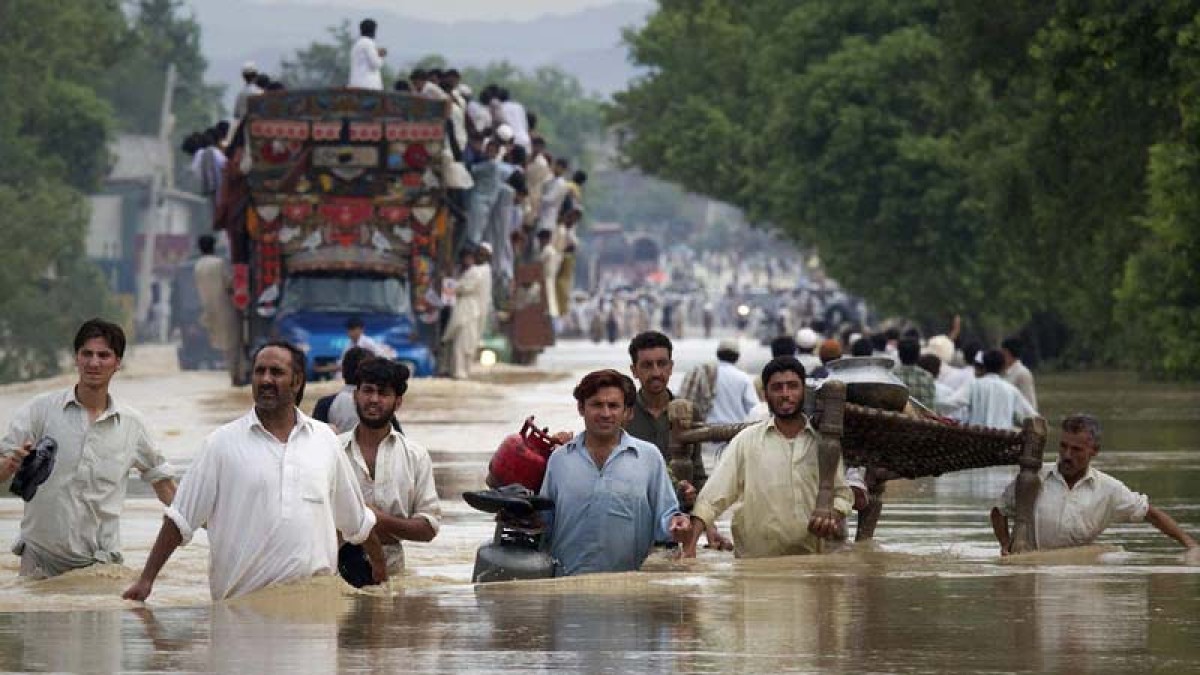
x: 365, y: 294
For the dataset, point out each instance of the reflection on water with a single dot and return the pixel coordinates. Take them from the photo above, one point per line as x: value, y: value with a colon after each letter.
x: 929, y: 595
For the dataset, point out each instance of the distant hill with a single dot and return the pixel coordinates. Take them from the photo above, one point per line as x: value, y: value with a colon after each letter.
x: 586, y: 43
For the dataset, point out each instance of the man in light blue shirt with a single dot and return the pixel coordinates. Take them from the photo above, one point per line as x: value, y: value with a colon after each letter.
x: 612, y: 495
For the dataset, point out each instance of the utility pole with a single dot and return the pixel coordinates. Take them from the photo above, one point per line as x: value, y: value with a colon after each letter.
x: 157, y: 211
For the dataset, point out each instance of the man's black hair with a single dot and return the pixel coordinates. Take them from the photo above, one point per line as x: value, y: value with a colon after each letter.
x: 879, y: 341
x: 862, y: 347
x: 1013, y: 345
x: 517, y: 155
x: 784, y: 345
x: 650, y: 339
x: 402, y: 85
x: 782, y: 364
x: 418, y: 74
x: 993, y: 361
x: 909, y: 350
x: 367, y: 27
x: 108, y: 331
x: 579, y: 177
x: 892, y: 333
x: 502, y: 94
x: 728, y: 355
x: 383, y: 373
x: 263, y: 81
x: 912, y: 332
x: 930, y: 363
x: 350, y: 362
x: 207, y: 244
x: 354, y: 322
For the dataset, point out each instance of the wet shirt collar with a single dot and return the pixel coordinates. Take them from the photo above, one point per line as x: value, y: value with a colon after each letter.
x: 303, y: 423
x: 1089, y: 477
x: 626, y: 442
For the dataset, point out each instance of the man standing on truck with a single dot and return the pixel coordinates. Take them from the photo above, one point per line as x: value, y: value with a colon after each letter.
x: 366, y: 59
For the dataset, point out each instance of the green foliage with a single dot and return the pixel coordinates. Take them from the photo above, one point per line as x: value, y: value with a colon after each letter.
x: 998, y: 161
x: 54, y: 130
x: 321, y: 64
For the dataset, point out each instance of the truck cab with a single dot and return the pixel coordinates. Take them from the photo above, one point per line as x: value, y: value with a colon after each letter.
x: 315, y: 309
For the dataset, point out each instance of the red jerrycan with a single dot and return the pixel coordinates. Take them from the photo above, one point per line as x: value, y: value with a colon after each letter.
x: 521, y: 458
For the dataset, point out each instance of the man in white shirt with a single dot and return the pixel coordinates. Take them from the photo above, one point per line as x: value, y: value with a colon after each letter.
x: 733, y: 393
x: 366, y: 59
x: 73, y: 520
x: 394, y: 472
x: 249, y: 74
x: 356, y: 332
x: 806, y: 344
x: 990, y: 401
x: 953, y: 377
x: 272, y: 488
x: 1076, y: 502
x: 472, y: 309
x: 515, y: 117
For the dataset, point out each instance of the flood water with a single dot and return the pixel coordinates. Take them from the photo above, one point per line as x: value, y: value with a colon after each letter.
x: 928, y: 595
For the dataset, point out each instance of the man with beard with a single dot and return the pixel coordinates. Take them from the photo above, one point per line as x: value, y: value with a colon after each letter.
x: 772, y: 469
x: 394, y: 472
x: 273, y: 490
x: 1077, y: 503
x: 612, y: 497
x: 651, y: 365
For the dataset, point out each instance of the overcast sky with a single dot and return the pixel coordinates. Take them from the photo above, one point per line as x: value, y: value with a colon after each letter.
x: 458, y: 10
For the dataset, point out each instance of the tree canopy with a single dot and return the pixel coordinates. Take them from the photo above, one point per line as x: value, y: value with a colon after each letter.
x: 1003, y: 162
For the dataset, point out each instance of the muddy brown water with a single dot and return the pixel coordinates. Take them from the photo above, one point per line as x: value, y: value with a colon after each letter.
x: 928, y: 595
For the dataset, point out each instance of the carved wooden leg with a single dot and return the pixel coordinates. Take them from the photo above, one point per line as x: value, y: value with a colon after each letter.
x: 868, y: 518
x: 679, y: 412
x: 1029, y: 484
x: 831, y: 401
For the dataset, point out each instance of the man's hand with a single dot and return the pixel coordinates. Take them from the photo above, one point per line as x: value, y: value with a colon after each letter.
x: 716, y: 540
x: 562, y: 437
x: 12, y: 463
x: 687, y: 494
x: 382, y: 51
x: 139, y: 591
x: 680, y: 528
x: 1004, y: 551
x: 825, y: 525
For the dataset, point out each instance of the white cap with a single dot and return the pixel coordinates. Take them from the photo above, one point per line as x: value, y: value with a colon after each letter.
x: 942, y: 347
x: 249, y: 67
x: 486, y: 247
x: 729, y: 345
x: 463, y: 89
x: 504, y: 133
x: 807, y: 338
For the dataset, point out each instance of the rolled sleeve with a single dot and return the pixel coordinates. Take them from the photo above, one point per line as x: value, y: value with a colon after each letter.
x: 148, y: 460
x: 1129, y: 506
x: 350, y: 513
x: 427, y: 504
x: 164, y: 471
x: 197, y: 495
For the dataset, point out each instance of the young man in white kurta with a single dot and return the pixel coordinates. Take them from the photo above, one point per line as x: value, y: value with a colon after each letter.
x: 402, y: 485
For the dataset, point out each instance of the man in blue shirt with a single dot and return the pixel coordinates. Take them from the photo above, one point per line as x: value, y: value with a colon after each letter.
x: 612, y: 495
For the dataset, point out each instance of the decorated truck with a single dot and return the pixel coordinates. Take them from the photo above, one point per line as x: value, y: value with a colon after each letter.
x: 346, y: 218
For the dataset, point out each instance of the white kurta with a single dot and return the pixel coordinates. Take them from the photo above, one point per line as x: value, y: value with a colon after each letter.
x: 213, y: 284
x: 272, y: 510
x: 992, y: 402
x: 403, y: 484
x: 366, y: 65
x: 472, y: 307
x: 1077, y: 516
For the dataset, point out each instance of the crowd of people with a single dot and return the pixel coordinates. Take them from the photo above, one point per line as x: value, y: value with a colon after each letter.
x: 510, y: 199
x: 283, y: 497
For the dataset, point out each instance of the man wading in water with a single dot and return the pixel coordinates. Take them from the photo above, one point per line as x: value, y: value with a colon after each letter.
x: 1077, y: 503
x: 272, y: 488
x: 771, y: 468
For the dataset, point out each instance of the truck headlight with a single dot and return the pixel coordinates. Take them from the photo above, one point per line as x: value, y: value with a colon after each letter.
x: 487, y: 358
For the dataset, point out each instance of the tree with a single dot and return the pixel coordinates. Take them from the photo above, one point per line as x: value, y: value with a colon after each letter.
x: 53, y: 137
x: 1003, y: 162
